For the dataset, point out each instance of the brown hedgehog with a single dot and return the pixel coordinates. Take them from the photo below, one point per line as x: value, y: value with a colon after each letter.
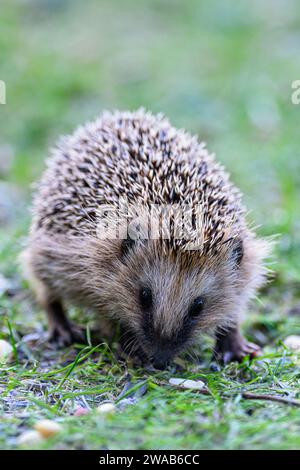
x: 86, y: 248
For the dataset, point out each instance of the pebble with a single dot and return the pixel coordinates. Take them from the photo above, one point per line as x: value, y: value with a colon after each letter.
x: 6, y: 351
x: 80, y: 411
x: 188, y: 384
x: 47, y: 428
x: 214, y: 367
x: 106, y: 408
x: 30, y: 438
x: 292, y: 342
x: 4, y: 284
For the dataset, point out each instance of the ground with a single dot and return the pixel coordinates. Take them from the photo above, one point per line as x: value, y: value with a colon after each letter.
x: 222, y: 70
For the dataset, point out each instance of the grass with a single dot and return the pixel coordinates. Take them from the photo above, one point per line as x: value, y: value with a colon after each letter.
x: 223, y: 72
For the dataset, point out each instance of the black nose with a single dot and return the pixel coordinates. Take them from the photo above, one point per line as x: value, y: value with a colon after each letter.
x: 160, y: 363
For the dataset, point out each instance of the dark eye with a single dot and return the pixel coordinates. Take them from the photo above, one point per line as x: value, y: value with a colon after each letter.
x: 146, y: 298
x: 196, y: 307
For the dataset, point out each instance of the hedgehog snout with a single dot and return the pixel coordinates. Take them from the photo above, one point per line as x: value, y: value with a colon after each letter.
x: 161, y: 361
x: 162, y: 357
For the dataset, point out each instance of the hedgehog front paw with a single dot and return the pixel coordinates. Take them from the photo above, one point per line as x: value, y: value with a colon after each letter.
x: 234, y: 347
x: 63, y: 336
x: 239, y: 351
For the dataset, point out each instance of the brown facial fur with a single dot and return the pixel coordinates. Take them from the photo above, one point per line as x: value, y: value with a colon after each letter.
x: 92, y: 273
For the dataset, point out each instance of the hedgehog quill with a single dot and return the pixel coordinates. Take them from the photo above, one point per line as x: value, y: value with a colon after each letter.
x: 162, y: 291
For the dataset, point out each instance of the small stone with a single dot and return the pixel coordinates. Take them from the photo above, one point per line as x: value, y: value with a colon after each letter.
x: 80, y: 411
x: 4, y: 284
x: 6, y: 351
x: 214, y: 367
x: 47, y: 428
x: 106, y: 408
x: 30, y: 438
x: 188, y: 384
x: 292, y: 342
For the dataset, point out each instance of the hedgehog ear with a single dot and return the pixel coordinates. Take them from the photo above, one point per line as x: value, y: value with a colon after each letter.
x: 237, y: 252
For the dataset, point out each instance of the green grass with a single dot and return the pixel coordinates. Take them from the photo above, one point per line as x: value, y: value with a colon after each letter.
x: 222, y: 70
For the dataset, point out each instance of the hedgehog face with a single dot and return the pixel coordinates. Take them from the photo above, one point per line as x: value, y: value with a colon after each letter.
x: 161, y: 346
x: 166, y: 298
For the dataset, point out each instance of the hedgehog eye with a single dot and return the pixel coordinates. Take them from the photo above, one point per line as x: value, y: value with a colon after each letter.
x: 146, y: 299
x: 196, y: 307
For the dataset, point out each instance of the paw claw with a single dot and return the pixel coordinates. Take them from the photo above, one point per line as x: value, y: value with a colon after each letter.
x: 236, y: 351
x: 227, y: 357
x: 252, y: 350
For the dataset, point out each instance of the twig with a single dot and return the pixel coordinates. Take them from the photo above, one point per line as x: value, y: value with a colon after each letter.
x: 201, y: 391
x: 277, y: 398
x: 250, y: 396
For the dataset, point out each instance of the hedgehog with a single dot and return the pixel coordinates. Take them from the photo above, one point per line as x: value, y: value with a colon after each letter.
x: 90, y: 244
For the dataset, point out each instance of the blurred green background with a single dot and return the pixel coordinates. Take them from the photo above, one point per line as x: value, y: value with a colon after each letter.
x: 222, y: 70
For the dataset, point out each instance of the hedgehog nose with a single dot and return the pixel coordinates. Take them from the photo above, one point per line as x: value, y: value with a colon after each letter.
x: 161, y: 360
x: 160, y: 363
